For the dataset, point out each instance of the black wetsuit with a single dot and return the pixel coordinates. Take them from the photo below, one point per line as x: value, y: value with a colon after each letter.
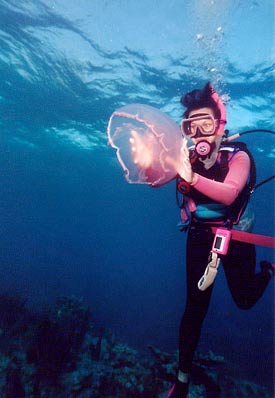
x: 245, y: 286
x: 239, y: 265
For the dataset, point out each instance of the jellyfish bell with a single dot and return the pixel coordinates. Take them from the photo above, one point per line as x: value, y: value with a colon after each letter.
x: 145, y: 140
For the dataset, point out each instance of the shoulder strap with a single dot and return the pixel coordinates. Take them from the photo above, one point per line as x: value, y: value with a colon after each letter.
x: 224, y: 164
x: 225, y: 151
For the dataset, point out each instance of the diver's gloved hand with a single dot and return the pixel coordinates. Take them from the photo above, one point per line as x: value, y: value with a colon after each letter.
x: 184, y: 168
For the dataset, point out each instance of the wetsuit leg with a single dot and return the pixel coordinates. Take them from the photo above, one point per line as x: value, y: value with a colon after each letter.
x: 199, y: 244
x: 239, y: 265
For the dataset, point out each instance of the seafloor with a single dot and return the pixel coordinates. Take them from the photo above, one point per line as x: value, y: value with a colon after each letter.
x: 58, y: 353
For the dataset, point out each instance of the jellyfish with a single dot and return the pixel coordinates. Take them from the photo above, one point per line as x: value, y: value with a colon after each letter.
x: 147, y: 144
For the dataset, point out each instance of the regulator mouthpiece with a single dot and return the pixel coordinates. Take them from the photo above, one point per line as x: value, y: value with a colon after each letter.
x: 203, y: 148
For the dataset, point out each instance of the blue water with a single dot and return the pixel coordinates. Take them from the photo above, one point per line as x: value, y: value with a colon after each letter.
x: 69, y: 222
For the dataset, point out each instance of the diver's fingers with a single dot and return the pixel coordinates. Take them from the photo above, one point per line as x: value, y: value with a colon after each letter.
x: 184, y: 150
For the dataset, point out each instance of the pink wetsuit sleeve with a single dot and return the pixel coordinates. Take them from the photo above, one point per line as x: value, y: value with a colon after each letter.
x: 227, y: 191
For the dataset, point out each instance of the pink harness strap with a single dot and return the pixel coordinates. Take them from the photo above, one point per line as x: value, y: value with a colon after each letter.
x: 248, y: 237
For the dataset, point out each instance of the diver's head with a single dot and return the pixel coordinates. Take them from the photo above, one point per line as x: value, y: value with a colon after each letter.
x: 205, y: 115
x: 204, y: 121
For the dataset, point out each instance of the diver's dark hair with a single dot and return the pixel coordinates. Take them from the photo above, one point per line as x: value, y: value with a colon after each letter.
x: 200, y: 99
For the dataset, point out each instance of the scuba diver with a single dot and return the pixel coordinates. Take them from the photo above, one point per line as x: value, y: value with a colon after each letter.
x: 215, y: 179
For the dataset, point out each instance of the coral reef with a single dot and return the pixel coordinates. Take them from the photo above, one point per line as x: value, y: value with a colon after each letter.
x: 58, y: 354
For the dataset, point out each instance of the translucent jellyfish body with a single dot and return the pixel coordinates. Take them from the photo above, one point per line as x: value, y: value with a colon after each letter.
x: 146, y: 140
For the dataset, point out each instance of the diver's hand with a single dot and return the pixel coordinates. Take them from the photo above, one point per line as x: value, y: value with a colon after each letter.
x: 142, y: 155
x: 184, y: 166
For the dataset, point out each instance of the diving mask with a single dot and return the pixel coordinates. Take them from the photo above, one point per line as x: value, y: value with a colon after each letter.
x: 202, y: 122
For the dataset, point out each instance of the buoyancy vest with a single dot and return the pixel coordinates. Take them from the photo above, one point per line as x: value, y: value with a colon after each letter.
x: 208, y: 210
